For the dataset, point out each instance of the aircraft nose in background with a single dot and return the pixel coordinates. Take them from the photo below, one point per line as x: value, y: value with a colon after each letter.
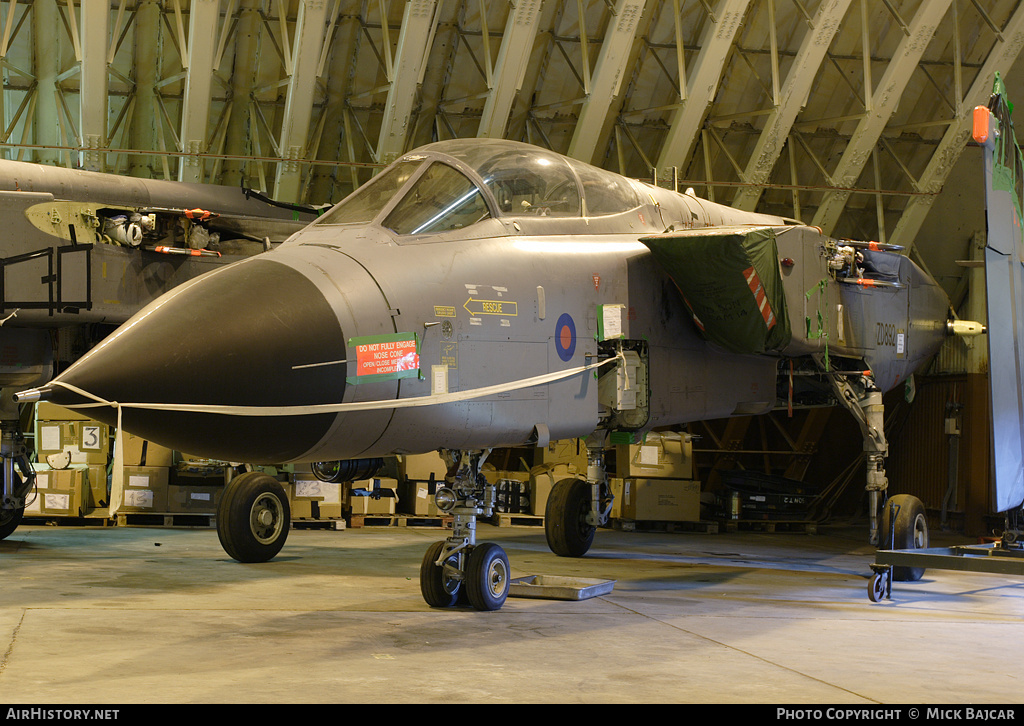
x: 257, y: 333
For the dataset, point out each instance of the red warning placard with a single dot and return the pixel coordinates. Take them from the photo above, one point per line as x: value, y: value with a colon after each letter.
x: 383, y: 357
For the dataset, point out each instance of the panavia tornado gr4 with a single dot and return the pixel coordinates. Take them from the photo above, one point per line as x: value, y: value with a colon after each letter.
x: 484, y: 293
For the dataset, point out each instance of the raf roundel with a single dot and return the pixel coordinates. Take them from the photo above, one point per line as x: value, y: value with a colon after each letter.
x: 565, y: 337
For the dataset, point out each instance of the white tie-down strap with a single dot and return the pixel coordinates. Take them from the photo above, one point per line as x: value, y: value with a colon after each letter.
x: 320, y: 408
x: 117, y: 478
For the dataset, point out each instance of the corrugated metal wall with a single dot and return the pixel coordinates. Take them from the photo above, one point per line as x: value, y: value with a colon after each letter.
x: 919, y: 447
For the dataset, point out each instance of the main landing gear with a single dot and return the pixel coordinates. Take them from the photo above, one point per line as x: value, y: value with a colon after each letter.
x: 904, y: 525
x: 904, y: 528
x: 576, y: 508
x: 459, y: 570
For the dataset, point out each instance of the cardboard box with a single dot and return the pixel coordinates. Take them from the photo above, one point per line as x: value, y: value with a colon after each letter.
x: 310, y: 498
x: 328, y: 511
x: 140, y: 452
x: 312, y: 509
x: 542, y: 480
x: 572, y: 452
x: 615, y: 484
x: 145, y: 489
x: 324, y: 492
x: 34, y: 499
x: 661, y: 455
x: 373, y: 496
x: 417, y: 497
x: 66, y: 503
x: 53, y: 436
x: 656, y: 500
x: 46, y: 411
x: 302, y: 509
x: 421, y: 467
x: 99, y: 487
x: 88, y: 442
x: 66, y: 493
x: 88, y: 482
x: 190, y: 499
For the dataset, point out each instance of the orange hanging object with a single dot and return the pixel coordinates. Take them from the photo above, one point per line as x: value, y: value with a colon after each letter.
x: 980, y: 127
x: 199, y: 214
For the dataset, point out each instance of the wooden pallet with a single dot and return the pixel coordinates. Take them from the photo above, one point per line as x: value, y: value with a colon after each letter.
x: 770, y: 526
x: 629, y: 525
x: 58, y: 521
x: 357, y: 521
x: 505, y: 519
x: 329, y: 523
x: 130, y: 519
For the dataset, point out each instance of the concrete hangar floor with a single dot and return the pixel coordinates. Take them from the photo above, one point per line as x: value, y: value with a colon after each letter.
x: 135, y: 615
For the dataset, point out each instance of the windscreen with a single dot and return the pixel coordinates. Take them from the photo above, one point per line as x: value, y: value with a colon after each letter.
x: 442, y: 200
x: 363, y: 205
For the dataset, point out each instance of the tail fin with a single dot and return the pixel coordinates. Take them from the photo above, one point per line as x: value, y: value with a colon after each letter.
x: 1004, y: 285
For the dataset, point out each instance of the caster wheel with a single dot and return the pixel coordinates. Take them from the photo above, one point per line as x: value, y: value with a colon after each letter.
x: 877, y: 587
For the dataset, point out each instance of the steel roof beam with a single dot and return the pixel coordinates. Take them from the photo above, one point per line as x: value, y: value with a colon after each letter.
x: 510, y: 68
x: 606, y: 80
x: 792, y: 98
x: 702, y: 85
x: 880, y: 107
x: 198, y: 60
x: 1004, y: 52
x: 305, y: 68
x: 418, y: 24
x: 92, y: 118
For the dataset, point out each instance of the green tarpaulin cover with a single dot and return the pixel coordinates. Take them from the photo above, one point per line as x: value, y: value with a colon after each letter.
x: 730, y: 281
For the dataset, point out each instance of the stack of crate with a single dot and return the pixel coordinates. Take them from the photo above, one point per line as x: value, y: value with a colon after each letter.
x: 146, y: 481
x: 419, y: 476
x: 653, y: 480
x: 75, y: 476
x: 312, y: 499
x: 523, y: 477
x: 76, y: 485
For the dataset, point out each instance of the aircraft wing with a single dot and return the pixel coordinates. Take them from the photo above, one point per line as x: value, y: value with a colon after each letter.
x: 85, y: 247
x: 731, y: 283
x: 1004, y: 283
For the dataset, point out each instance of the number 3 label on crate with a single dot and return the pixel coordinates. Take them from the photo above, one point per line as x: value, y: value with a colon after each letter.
x: 91, y: 440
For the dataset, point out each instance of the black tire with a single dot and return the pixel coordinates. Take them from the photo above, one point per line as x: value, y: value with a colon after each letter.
x: 253, y: 517
x: 487, y: 577
x: 438, y: 591
x: 9, y: 521
x: 910, y: 532
x: 565, y: 518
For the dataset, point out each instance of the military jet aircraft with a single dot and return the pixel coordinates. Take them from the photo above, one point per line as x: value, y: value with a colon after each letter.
x: 486, y: 293
x: 81, y: 252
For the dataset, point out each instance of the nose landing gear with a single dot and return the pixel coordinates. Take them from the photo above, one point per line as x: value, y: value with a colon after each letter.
x: 458, y: 569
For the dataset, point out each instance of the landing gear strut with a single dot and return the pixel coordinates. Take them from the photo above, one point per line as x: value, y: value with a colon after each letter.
x: 14, y: 488
x: 458, y: 569
x: 904, y: 525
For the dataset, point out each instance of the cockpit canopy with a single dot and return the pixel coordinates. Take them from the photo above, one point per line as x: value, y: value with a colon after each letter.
x: 450, y: 185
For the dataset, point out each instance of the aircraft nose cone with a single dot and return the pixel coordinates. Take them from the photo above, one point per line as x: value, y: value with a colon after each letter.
x: 256, y: 333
